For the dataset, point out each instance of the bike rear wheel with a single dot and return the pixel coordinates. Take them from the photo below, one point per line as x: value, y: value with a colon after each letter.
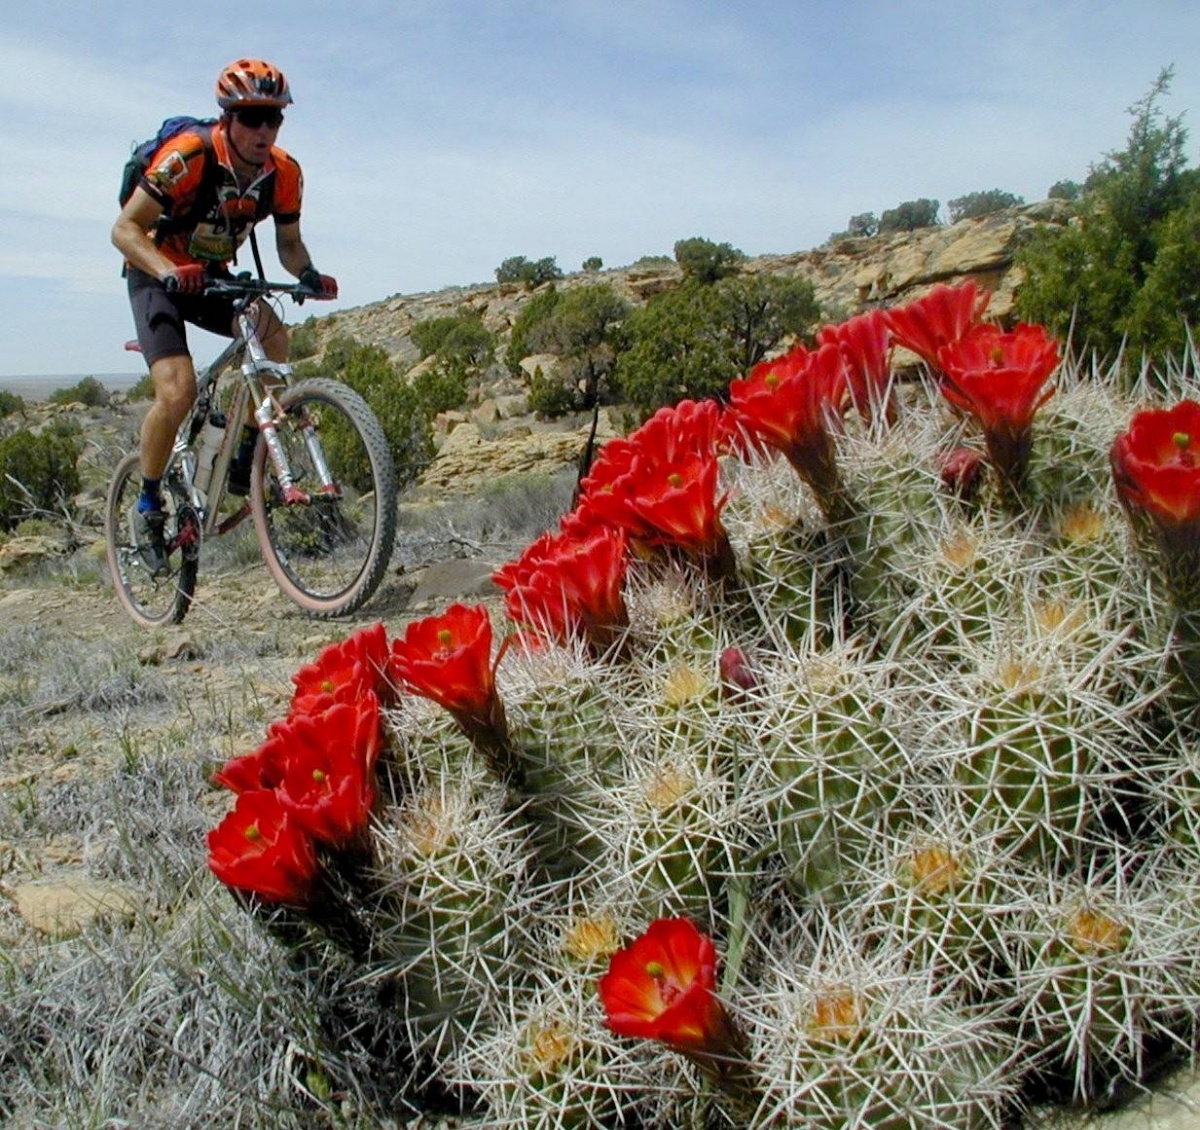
x: 328, y: 545
x: 151, y: 598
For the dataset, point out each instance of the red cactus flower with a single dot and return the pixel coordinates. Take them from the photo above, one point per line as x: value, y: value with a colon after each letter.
x: 262, y: 769
x: 260, y: 849
x: 942, y: 316
x: 448, y: 658
x: 569, y: 585
x: 1156, y: 466
x: 660, y: 484
x: 790, y: 404
x: 865, y: 343
x: 737, y: 674
x: 1000, y: 377
x: 329, y: 769
x: 961, y: 468
x: 343, y: 671
x: 662, y: 987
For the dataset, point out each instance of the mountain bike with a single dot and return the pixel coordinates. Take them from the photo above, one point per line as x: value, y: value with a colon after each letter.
x: 322, y: 483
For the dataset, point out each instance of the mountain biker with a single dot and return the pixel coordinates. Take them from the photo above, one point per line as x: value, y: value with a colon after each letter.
x: 202, y: 193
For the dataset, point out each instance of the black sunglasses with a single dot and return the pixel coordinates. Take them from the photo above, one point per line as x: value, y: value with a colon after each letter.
x: 258, y: 116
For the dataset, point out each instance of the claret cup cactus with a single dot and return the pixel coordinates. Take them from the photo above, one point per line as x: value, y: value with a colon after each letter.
x: 832, y: 764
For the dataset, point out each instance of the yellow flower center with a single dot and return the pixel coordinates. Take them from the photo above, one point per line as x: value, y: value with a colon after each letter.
x: 445, y: 637
x: 1182, y: 440
x: 1090, y: 932
x: 684, y: 684
x: 935, y: 870
x: 592, y: 938
x: 551, y: 1044
x: 960, y: 551
x: 837, y: 1015
x: 1082, y: 523
x: 318, y: 776
x: 252, y: 833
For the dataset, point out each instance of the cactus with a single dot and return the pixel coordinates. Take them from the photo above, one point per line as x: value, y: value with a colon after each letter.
x: 834, y: 765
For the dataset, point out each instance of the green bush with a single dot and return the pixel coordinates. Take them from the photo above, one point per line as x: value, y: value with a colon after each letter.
x: 10, y: 403
x: 142, y: 390
x: 532, y: 273
x: 586, y: 331
x: 37, y: 475
x: 440, y: 389
x: 551, y: 397
x: 459, y: 339
x: 535, y: 311
x: 910, y: 216
x: 303, y: 340
x: 593, y: 263
x: 692, y: 341
x: 396, y: 404
x: 1064, y: 190
x: 88, y: 391
x: 1123, y: 274
x: 706, y: 261
x: 975, y: 204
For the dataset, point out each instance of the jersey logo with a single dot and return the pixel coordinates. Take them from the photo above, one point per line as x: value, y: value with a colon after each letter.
x: 168, y: 174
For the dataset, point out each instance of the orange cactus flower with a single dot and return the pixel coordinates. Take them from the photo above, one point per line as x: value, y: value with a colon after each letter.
x: 928, y: 324
x: 662, y: 987
x: 329, y: 769
x: 998, y: 377
x: 866, y: 347
x: 791, y: 404
x: 660, y: 483
x: 1156, y: 464
x: 570, y: 585
x: 344, y: 671
x: 448, y: 658
x: 260, y: 849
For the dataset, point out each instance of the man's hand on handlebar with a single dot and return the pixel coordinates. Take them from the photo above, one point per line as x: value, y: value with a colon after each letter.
x: 190, y: 278
x: 322, y: 286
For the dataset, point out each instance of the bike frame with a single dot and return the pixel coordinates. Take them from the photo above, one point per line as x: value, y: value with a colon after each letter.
x: 254, y: 398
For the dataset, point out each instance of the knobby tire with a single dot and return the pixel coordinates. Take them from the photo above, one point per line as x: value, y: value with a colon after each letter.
x: 150, y: 599
x: 328, y: 555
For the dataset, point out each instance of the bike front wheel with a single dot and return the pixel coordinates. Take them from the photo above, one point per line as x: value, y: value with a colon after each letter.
x: 152, y: 597
x: 327, y: 540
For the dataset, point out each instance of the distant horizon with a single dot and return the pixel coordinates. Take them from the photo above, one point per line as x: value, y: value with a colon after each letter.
x: 37, y: 387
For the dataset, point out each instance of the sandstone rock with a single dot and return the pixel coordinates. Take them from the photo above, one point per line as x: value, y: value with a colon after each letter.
x: 449, y: 581
x: 64, y: 907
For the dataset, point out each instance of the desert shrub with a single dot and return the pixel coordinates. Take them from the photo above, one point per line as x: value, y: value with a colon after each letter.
x: 910, y: 216
x: 706, y: 261
x: 395, y: 402
x: 440, y: 389
x: 88, y: 391
x: 586, y: 330
x: 142, y: 390
x: 593, y: 263
x: 517, y: 268
x: 1121, y: 275
x: 975, y: 204
x: 459, y: 339
x: 539, y: 307
x: 10, y: 403
x: 1064, y: 190
x: 550, y: 396
x: 302, y: 339
x: 37, y: 473
x: 691, y: 341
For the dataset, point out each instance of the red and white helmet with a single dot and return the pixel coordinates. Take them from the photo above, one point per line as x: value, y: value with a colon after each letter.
x: 252, y: 82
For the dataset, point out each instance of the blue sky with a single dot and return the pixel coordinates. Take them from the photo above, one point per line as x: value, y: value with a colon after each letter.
x: 439, y: 137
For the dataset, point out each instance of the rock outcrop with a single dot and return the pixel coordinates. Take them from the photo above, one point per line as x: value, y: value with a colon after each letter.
x: 497, y: 437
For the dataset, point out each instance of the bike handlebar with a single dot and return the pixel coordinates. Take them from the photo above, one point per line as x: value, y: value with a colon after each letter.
x: 246, y: 286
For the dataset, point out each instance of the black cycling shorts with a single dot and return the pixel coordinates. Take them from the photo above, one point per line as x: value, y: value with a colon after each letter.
x: 160, y: 318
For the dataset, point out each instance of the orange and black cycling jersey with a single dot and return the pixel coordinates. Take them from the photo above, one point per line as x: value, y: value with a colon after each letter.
x: 187, y: 182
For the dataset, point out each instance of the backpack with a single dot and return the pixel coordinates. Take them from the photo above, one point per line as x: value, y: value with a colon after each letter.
x: 143, y: 152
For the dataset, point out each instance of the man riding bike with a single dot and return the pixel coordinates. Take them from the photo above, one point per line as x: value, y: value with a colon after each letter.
x: 201, y: 195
